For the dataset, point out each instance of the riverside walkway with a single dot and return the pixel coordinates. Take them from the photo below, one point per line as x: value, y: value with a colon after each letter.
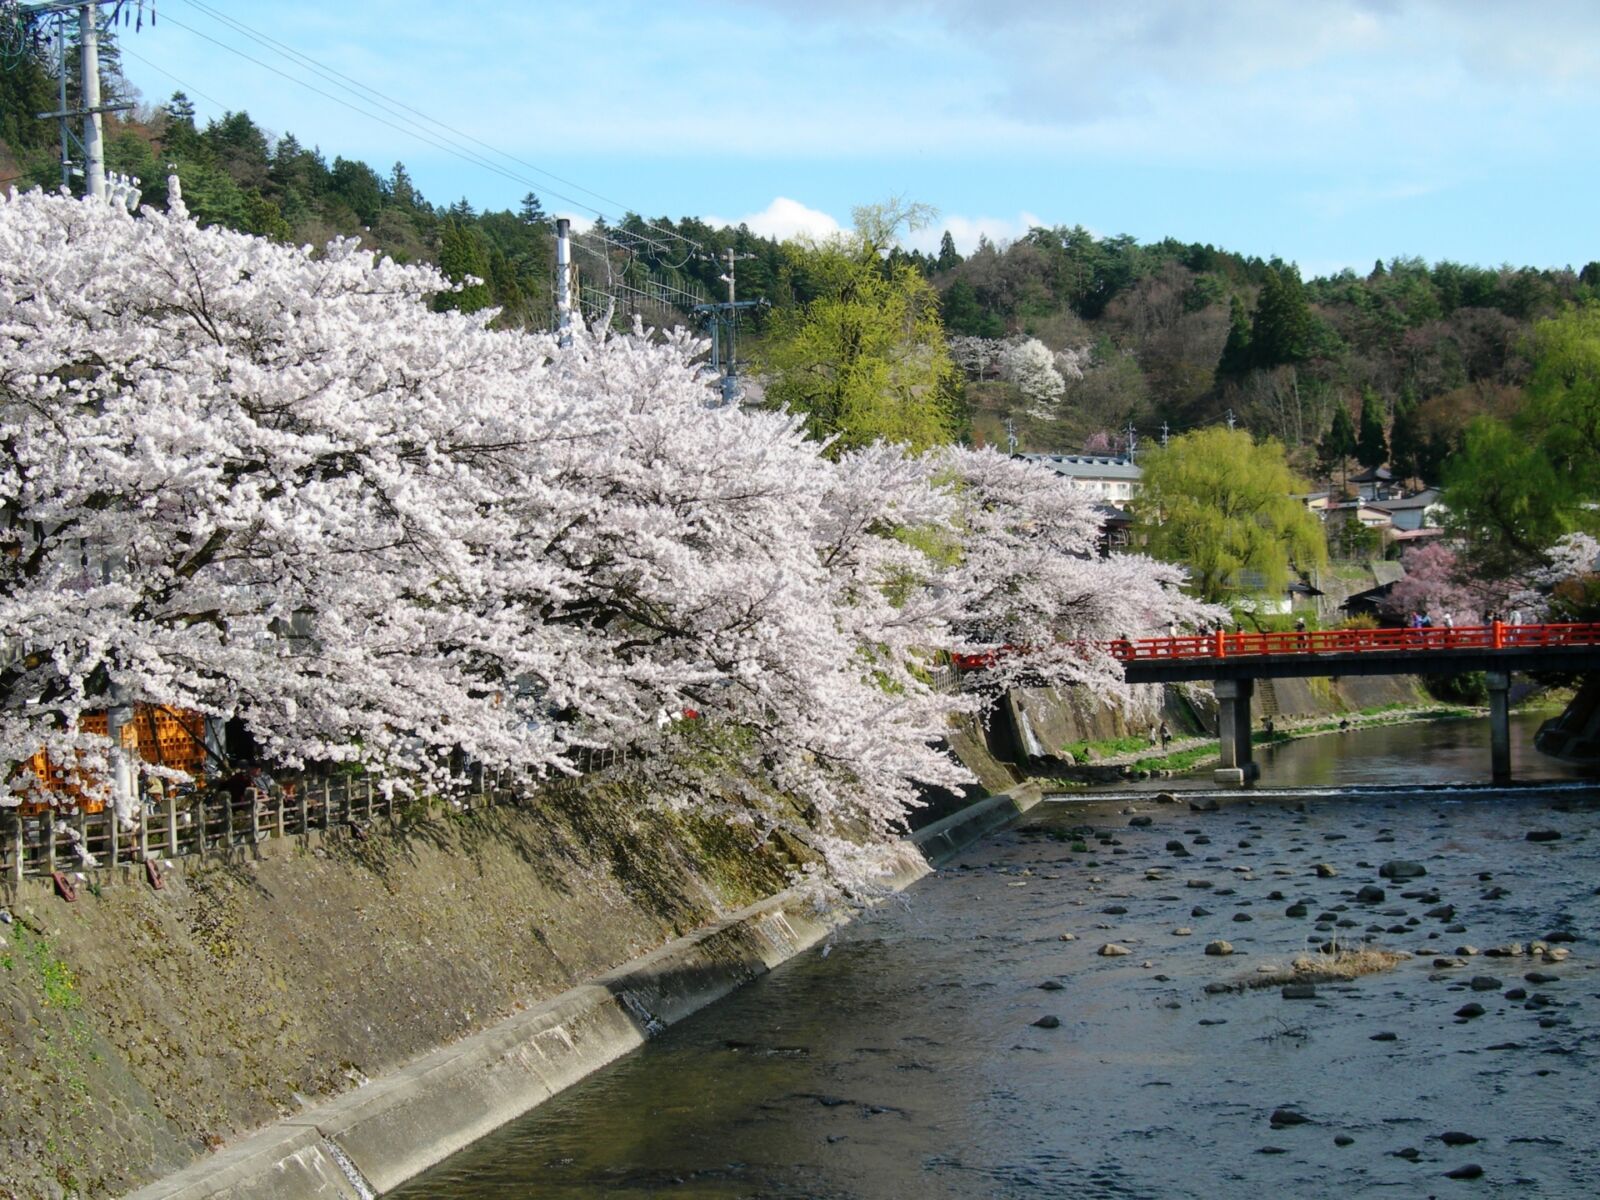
x: 1232, y: 662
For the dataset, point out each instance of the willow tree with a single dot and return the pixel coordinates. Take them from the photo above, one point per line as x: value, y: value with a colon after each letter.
x: 1224, y: 506
x: 866, y: 359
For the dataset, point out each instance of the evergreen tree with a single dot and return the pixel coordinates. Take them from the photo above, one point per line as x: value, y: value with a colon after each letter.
x: 179, y: 139
x: 948, y: 259
x: 462, y: 253
x: 1235, y: 360
x: 1372, y: 448
x: 1282, y: 330
x: 402, y: 192
x: 963, y: 314
x: 1339, y: 443
x: 531, y: 212
x: 1407, y: 440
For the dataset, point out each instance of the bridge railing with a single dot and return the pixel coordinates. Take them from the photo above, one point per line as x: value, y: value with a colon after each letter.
x: 1222, y: 644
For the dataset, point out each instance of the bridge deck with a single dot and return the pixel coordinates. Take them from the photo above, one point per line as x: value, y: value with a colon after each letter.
x: 1434, y: 651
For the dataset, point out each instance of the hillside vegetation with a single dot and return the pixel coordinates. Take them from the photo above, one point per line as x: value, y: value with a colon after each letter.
x: 1154, y: 336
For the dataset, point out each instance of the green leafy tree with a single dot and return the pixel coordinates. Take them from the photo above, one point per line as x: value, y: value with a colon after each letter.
x: 1221, y: 504
x: 866, y: 359
x: 1516, y: 487
x: 1372, y: 447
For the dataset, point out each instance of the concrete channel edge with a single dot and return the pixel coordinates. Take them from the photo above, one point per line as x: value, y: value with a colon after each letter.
x: 371, y: 1140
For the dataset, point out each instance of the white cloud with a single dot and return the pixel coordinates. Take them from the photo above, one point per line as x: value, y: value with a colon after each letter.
x: 965, y: 231
x: 783, y: 219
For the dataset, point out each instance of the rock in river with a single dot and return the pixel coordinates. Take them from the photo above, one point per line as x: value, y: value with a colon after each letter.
x: 1049, y: 1021
x: 1219, y: 948
x: 1402, y: 868
x: 1544, y: 835
x: 1112, y: 950
x: 1283, y: 1117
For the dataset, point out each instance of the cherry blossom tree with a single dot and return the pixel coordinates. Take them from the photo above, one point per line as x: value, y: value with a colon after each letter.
x: 1029, y: 364
x: 272, y: 485
x: 1433, y: 584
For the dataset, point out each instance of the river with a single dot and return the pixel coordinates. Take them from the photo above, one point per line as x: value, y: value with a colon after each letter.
x: 904, y: 1058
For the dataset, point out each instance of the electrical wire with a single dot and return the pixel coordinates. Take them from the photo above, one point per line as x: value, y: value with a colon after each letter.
x: 371, y: 95
x: 448, y: 148
x: 188, y: 88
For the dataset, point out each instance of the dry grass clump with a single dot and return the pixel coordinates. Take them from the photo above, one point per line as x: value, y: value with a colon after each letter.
x: 1344, y: 964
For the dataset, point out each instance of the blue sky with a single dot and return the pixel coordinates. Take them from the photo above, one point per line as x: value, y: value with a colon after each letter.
x: 1330, y: 132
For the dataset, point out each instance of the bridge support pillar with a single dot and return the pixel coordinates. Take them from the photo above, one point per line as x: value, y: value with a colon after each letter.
x: 1499, y: 683
x: 1233, y: 732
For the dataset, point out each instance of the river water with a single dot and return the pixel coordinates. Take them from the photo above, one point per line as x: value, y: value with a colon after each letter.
x: 904, y: 1061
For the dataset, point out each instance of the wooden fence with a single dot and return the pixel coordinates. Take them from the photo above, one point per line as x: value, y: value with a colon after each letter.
x: 186, y: 823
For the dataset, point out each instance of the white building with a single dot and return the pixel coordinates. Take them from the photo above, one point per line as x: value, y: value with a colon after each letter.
x: 1115, y: 481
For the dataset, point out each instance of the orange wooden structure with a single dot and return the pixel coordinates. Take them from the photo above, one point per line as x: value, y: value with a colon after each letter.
x: 168, y: 737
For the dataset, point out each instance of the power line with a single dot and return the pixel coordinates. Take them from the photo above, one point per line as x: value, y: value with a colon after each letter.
x: 371, y: 95
x: 188, y: 88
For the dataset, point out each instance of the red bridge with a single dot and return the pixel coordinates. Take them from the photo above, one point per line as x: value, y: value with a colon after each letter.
x: 1234, y: 661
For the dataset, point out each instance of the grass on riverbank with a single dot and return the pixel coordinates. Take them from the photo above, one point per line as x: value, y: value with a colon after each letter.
x: 1195, y: 753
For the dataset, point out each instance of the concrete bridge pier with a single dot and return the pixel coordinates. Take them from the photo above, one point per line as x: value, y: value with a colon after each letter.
x: 1233, y: 732
x: 1499, y: 683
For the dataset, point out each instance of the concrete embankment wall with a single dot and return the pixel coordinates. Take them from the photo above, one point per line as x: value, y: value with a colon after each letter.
x: 336, y: 1015
x: 1039, y: 723
x: 143, y: 1028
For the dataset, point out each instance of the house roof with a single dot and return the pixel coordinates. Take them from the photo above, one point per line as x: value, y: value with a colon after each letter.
x: 1374, y: 475
x: 1418, y: 535
x: 1423, y: 499
x: 1385, y: 572
x: 1088, y: 466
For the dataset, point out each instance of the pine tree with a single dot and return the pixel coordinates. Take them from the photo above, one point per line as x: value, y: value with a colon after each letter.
x: 532, y: 212
x: 1235, y: 360
x: 1339, y: 443
x: 1372, y: 448
x: 948, y: 258
x: 1407, y: 441
x: 461, y: 253
x: 1281, y: 332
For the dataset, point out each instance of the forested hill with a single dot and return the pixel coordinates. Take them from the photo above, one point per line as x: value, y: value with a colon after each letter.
x: 1145, y: 334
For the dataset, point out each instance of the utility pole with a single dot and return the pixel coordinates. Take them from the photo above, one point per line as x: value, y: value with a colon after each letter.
x: 724, y: 322
x: 1133, y: 440
x: 563, y: 281
x: 90, y: 108
x: 94, y: 151
x: 1011, y: 436
x: 1163, y: 435
x: 1229, y: 419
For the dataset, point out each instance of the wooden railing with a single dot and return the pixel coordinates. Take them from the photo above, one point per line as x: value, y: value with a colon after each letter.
x: 1222, y: 644
x: 1496, y: 636
x: 178, y: 824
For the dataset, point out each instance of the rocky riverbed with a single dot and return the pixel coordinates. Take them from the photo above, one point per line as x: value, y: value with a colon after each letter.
x: 1133, y: 998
